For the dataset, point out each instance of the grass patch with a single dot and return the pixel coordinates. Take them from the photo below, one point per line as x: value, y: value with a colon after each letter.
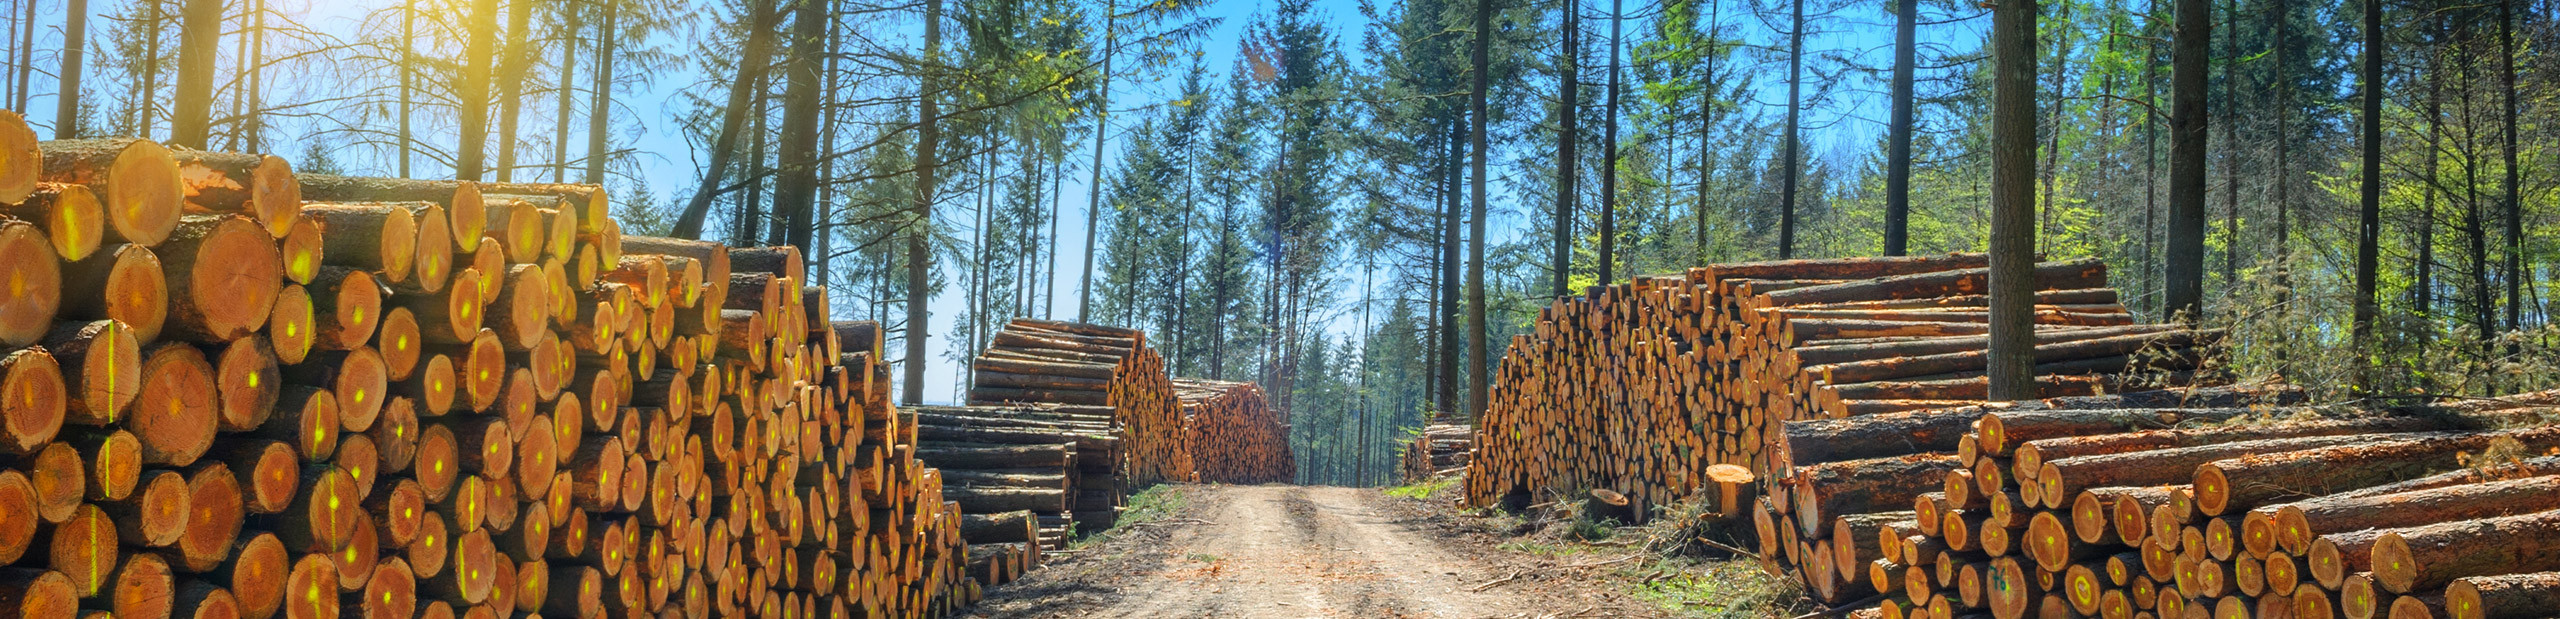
x: 1157, y: 502
x: 1424, y: 489
x: 1733, y: 588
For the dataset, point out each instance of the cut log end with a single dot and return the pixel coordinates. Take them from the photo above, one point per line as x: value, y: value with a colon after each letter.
x: 31, y: 279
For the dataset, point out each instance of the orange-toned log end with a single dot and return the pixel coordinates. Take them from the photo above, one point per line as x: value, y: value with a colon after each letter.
x: 395, y: 434
x: 357, y: 560
x: 110, y: 465
x: 33, y: 400
x: 274, y: 196
x: 214, y: 515
x: 274, y: 474
x: 427, y: 553
x: 2509, y: 595
x: 303, y: 250
x: 362, y: 385
x: 2417, y: 607
x: 59, y: 479
x: 396, y: 512
x: 399, y: 342
x: 2010, y: 594
x: 18, y: 498
x: 433, y: 386
x: 21, y: 161
x: 84, y: 548
x: 474, y: 571
x: 37, y: 593
x: 310, y: 422
x: 175, y: 417
x: 203, y: 600
x: 468, y: 217
x: 437, y: 463
x: 259, y: 569
x: 2314, y: 603
x: 362, y: 462
x: 71, y: 217
x: 518, y: 226
x: 349, y: 307
x: 522, y: 311
x: 138, y: 179
x: 250, y: 383
x: 576, y: 591
x: 433, y: 266
x: 30, y: 284
x: 533, y: 584
x: 2212, y: 490
x: 391, y: 592
x: 225, y: 275
x: 536, y: 458
x: 491, y: 261
x: 293, y: 324
x: 329, y: 511
x: 156, y: 514
x: 311, y: 591
x: 144, y: 587
x: 121, y: 282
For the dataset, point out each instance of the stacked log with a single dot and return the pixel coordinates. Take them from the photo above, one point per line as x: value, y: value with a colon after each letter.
x: 1091, y: 373
x: 998, y: 460
x: 261, y: 396
x: 1640, y: 388
x: 1440, y: 449
x: 2173, y: 512
x: 1235, y: 435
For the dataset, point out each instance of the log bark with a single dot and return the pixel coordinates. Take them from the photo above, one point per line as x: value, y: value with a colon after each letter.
x: 2417, y: 559
x: 227, y: 273
x: 138, y: 181
x: 2247, y: 482
x: 381, y: 237
x: 2504, y: 595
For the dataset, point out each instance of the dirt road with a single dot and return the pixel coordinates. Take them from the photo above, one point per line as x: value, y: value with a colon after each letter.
x: 1249, y: 552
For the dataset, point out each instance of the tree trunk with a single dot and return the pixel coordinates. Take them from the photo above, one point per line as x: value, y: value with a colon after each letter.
x: 1445, y: 372
x: 795, y: 193
x: 569, y: 31
x: 1568, y: 138
x: 75, y: 42
x: 920, y: 227
x: 1477, y: 365
x: 1897, y: 192
x: 2514, y: 204
x: 408, y: 78
x: 1791, y: 151
x: 1093, y: 185
x: 1609, y: 141
x: 600, y: 112
x: 2189, y: 61
x: 724, y: 146
x: 511, y: 76
x: 471, y: 92
x: 199, y: 40
x: 2013, y: 233
x: 2369, y: 196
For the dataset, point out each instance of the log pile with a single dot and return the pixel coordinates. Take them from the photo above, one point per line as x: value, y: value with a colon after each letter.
x: 1235, y: 436
x: 1641, y: 388
x: 1091, y: 373
x: 997, y: 461
x: 2197, y: 511
x: 230, y: 391
x: 1441, y: 449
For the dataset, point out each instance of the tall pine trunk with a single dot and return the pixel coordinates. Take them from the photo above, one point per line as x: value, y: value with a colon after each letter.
x: 1568, y: 138
x: 1793, y: 140
x: 2516, y: 275
x: 571, y: 27
x: 1093, y: 185
x: 2369, y: 197
x: 2189, y: 60
x: 1452, y: 197
x: 199, y: 40
x: 471, y: 92
x: 1477, y: 390
x: 75, y: 42
x: 1897, y: 180
x: 1609, y: 140
x: 752, y: 62
x: 511, y: 78
x: 920, y: 226
x: 794, y: 194
x: 408, y: 81
x: 600, y: 111
x: 2013, y: 200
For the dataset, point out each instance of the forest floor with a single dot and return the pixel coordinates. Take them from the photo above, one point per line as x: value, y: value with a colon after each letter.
x: 1252, y: 552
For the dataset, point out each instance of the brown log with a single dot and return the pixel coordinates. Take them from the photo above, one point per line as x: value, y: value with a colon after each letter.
x: 2086, y: 273
x: 156, y: 514
x: 2503, y: 596
x: 2416, y: 559
x: 303, y: 251
x: 21, y: 161
x: 2068, y: 476
x: 227, y: 272
x: 19, y: 497
x: 175, y: 416
x: 381, y: 237
x: 121, y: 282
x: 34, y: 593
x: 1821, y: 491
x: 2529, y: 467
x: 71, y: 217
x: 293, y: 324
x: 214, y: 516
x: 103, y: 360
x: 249, y: 381
x: 311, y: 589
x: 347, y: 306
x: 35, y: 284
x: 465, y: 210
x: 138, y: 180
x: 2245, y: 483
